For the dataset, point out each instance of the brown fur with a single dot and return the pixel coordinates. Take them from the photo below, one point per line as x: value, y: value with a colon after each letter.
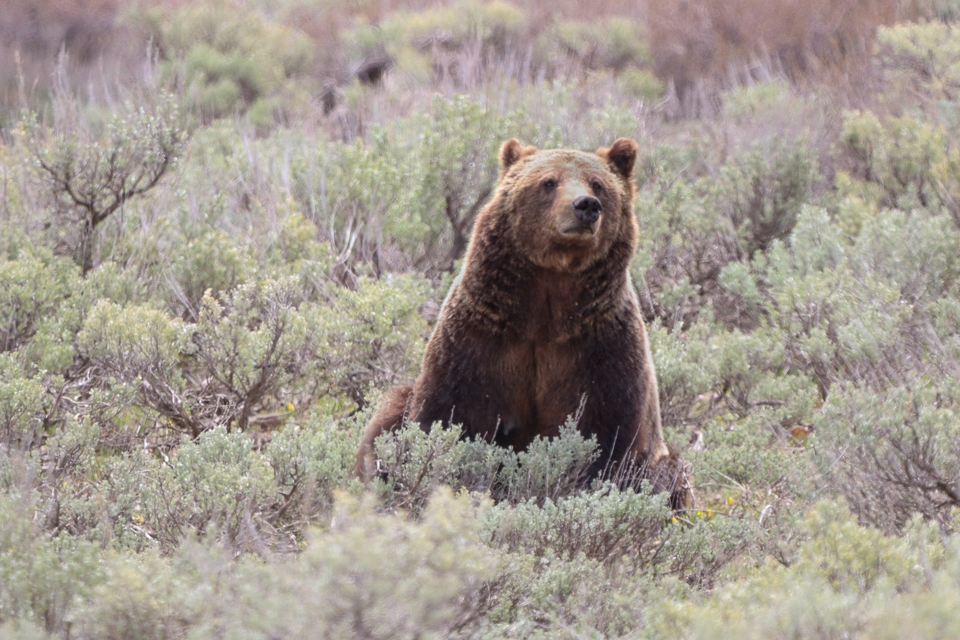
x: 543, y: 318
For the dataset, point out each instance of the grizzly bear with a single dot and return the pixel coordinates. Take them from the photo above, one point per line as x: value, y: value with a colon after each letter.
x: 543, y: 321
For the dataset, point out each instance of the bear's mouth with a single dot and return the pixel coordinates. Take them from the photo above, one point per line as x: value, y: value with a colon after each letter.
x: 577, y: 229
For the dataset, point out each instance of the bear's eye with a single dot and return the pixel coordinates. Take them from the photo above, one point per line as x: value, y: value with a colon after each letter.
x: 597, y: 186
x: 549, y: 184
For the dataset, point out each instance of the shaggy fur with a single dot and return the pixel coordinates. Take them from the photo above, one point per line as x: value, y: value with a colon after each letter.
x: 543, y: 321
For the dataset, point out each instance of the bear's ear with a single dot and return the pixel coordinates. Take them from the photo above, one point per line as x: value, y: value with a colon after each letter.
x: 621, y: 156
x: 511, y: 151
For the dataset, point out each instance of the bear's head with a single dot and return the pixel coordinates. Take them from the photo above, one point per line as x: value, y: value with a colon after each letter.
x: 568, y: 209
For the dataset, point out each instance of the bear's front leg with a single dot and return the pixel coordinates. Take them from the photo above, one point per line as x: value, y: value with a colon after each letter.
x: 621, y: 406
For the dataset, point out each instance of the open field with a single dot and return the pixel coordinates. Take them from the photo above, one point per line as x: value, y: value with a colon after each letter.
x: 226, y: 227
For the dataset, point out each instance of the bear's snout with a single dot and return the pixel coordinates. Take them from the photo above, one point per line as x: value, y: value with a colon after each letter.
x: 587, y: 209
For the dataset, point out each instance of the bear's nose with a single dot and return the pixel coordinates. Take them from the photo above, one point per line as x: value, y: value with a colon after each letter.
x: 587, y: 209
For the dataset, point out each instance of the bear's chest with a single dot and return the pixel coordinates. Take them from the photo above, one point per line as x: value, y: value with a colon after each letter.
x: 550, y: 314
x: 543, y: 387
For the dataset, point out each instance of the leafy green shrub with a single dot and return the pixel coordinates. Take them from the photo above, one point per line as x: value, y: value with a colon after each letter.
x: 368, y: 337
x: 144, y: 347
x: 312, y: 462
x: 416, y: 186
x: 610, y: 43
x: 21, y: 405
x: 845, y: 579
x: 414, y: 462
x: 218, y: 482
x: 748, y: 454
x: 141, y: 596
x: 382, y: 576
x: 550, y: 598
x: 455, y: 168
x: 223, y: 484
x: 898, y: 155
x: 295, y: 242
x: 89, y: 177
x: 437, y: 37
x: 366, y: 210
x: 45, y: 302
x: 762, y: 191
x: 217, y: 485
x: 642, y: 84
x: 594, y: 561
x: 946, y: 179
x: 40, y: 575
x: 831, y: 315
x: 262, y: 348
x: 699, y: 554
x: 605, y: 524
x: 683, y: 384
x: 231, y: 58
x: 921, y: 55
x: 891, y: 454
x: 211, y: 262
x: 759, y: 197
x: 745, y: 102
x: 549, y: 468
x: 33, y: 285
x: 254, y: 345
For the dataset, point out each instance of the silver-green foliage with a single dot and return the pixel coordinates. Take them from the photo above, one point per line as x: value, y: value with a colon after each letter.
x: 264, y: 346
x: 232, y: 59
x: 40, y: 576
x: 198, y: 382
x: 417, y: 184
x: 413, y: 462
x: 893, y: 454
x: 21, y: 405
x: 365, y: 574
x: 605, y: 524
x: 89, y: 176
